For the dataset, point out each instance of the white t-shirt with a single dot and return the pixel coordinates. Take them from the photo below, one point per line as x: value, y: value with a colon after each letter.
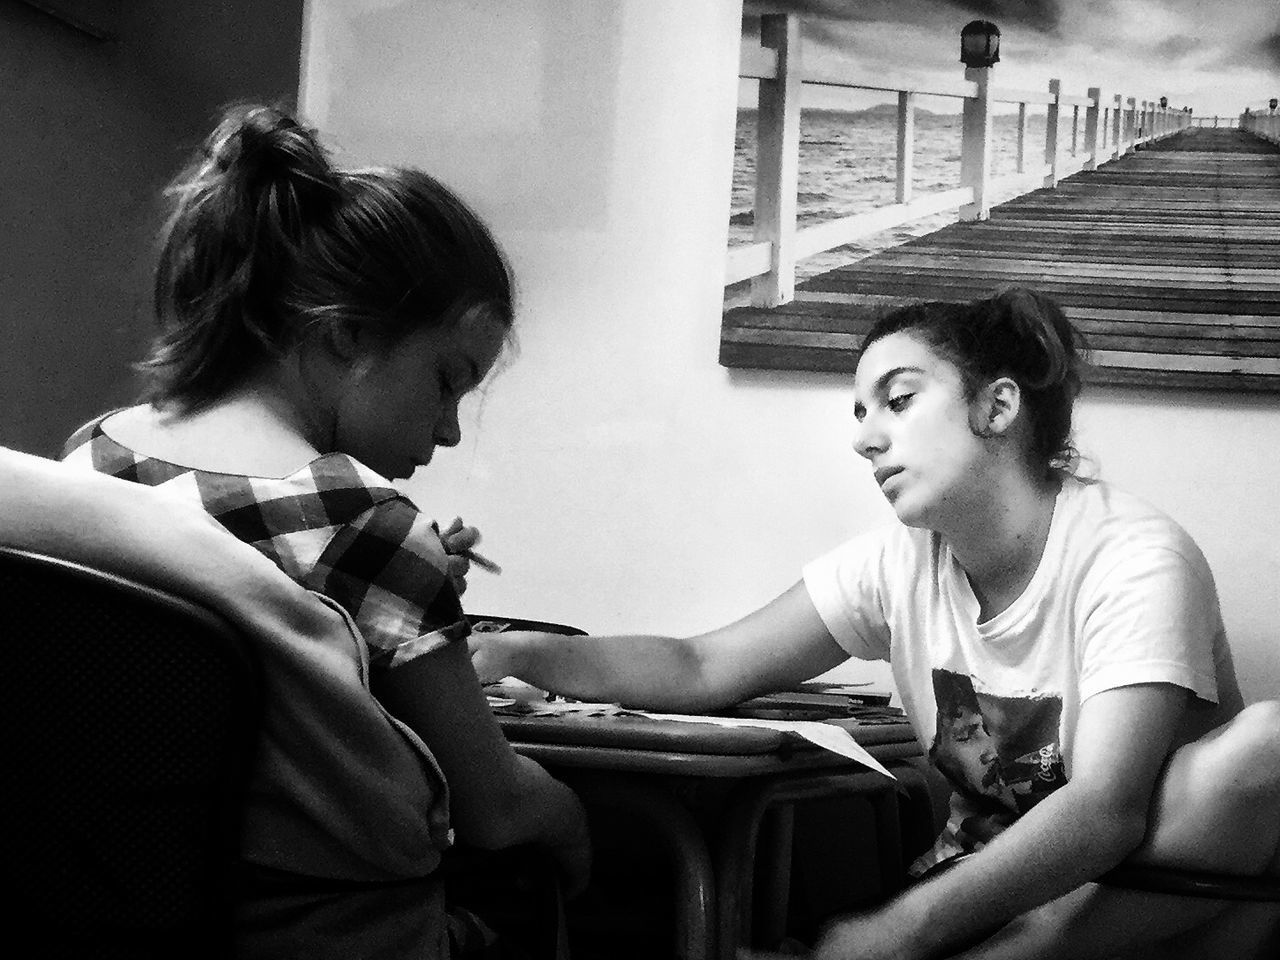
x: 1122, y: 595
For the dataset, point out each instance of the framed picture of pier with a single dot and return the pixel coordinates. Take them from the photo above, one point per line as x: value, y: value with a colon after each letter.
x: 97, y: 18
x: 1157, y: 231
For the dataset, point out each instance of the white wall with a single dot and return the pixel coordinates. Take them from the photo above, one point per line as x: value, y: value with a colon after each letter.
x: 623, y: 478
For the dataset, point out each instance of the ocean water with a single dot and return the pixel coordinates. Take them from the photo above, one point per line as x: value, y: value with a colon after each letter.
x: 848, y: 164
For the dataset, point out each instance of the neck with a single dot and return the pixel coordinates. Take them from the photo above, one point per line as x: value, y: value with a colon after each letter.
x: 285, y: 396
x: 999, y: 541
x: 252, y: 429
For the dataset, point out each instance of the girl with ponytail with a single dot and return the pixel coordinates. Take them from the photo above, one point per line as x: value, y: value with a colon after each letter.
x: 1056, y: 643
x: 318, y: 327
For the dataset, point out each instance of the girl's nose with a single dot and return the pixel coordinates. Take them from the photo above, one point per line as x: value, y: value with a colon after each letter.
x: 448, y: 432
x: 868, y: 439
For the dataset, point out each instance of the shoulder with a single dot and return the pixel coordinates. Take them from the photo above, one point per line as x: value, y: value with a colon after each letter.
x: 1147, y: 606
x: 294, y: 518
x: 91, y: 447
x: 80, y: 443
x: 346, y: 485
x: 1139, y: 580
x: 877, y: 570
x: 383, y: 561
x: 378, y: 519
x: 1114, y: 528
x: 312, y: 505
x: 855, y: 587
x: 886, y: 551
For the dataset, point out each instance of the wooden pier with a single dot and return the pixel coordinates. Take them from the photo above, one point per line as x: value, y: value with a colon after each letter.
x: 1168, y: 258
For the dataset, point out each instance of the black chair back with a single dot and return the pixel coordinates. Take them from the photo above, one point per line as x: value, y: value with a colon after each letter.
x: 129, y: 722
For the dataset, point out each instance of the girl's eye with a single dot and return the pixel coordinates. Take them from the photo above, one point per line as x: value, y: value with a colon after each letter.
x: 899, y: 403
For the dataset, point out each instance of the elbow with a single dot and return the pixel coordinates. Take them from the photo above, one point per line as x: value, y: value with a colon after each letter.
x: 1131, y: 830
x: 1118, y: 834
x: 498, y: 824
x: 693, y: 681
x: 527, y: 807
x: 490, y: 836
x: 710, y: 681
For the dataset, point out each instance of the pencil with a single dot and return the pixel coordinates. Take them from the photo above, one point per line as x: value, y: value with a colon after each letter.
x: 484, y: 563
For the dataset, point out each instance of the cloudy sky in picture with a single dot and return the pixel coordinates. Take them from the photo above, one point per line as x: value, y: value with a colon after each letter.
x: 1216, y: 56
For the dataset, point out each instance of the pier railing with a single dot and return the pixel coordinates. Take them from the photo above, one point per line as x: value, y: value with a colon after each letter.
x: 1265, y: 125
x: 1113, y: 125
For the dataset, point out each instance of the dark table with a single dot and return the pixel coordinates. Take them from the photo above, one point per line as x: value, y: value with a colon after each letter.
x: 720, y: 803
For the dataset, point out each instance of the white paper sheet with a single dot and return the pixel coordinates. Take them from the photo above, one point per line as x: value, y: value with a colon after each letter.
x: 825, y: 735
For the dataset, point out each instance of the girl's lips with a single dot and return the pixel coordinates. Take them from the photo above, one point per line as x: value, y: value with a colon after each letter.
x: 884, y: 473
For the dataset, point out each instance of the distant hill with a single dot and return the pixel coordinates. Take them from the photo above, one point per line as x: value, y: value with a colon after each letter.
x: 879, y: 111
x: 883, y: 110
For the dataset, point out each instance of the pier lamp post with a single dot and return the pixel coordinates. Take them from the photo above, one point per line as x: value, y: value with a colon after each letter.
x: 979, y: 50
x: 979, y: 43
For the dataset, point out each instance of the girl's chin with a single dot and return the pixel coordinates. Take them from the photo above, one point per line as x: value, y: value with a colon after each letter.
x: 909, y: 517
x: 400, y: 470
x: 901, y: 508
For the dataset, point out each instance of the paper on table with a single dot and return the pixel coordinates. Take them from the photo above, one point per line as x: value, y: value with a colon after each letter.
x: 516, y: 697
x: 825, y: 735
x: 555, y: 708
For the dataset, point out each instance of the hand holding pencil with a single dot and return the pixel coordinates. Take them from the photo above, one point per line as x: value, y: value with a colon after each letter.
x: 459, y: 541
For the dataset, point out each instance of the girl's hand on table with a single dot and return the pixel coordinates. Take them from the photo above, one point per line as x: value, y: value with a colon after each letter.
x: 457, y: 539
x: 491, y: 656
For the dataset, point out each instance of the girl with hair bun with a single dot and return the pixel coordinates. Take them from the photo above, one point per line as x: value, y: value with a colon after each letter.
x: 1056, y: 644
x: 318, y: 327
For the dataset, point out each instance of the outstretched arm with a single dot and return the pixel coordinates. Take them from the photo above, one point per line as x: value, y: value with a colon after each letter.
x: 777, y: 646
x: 1074, y: 835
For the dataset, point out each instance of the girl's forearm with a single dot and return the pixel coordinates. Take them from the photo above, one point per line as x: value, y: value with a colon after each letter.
x: 652, y: 672
x: 552, y: 813
x: 1063, y: 842
x: 780, y: 644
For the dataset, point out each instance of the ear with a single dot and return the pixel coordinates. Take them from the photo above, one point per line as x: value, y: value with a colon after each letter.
x: 1001, y: 402
x: 343, y: 341
x: 335, y: 353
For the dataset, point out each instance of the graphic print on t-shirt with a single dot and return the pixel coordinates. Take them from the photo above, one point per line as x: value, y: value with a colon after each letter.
x: 1000, y: 753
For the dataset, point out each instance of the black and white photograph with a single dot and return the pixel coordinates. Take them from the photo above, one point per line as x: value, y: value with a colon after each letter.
x: 640, y: 479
